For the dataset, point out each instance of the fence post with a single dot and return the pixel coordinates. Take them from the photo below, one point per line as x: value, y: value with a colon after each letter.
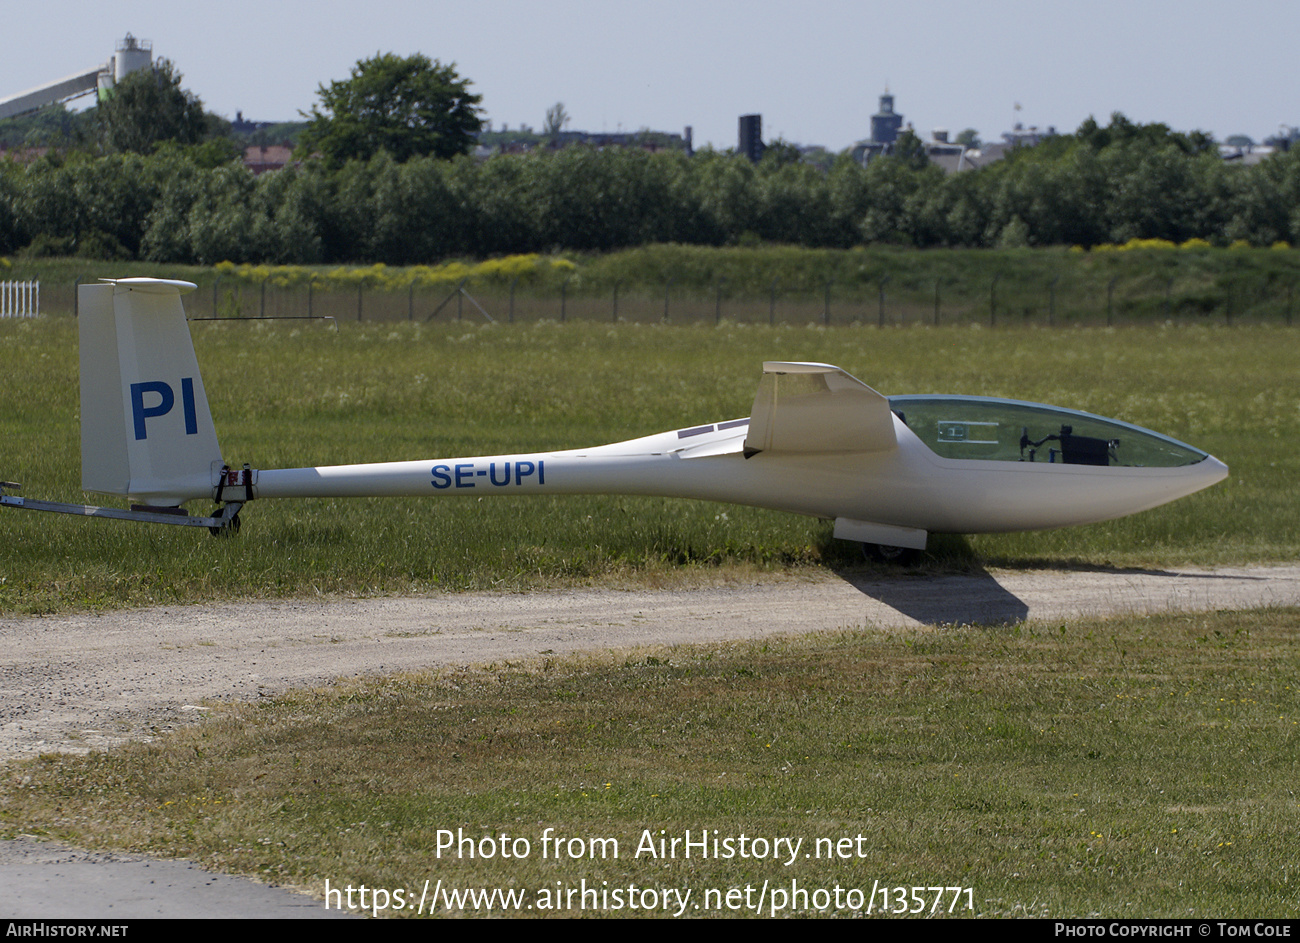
x: 717, y: 306
x: 458, y: 293
x: 564, y: 298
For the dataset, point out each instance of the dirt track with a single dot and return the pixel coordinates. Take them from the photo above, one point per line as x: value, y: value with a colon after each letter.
x: 74, y: 683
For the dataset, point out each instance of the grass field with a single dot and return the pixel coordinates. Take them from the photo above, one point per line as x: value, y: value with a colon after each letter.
x: 1124, y: 768
x: 1133, y: 767
x: 287, y: 396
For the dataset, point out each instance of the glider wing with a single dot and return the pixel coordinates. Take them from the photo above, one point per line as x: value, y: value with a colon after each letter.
x: 815, y: 407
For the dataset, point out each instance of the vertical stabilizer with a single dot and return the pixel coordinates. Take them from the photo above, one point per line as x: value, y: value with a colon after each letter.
x: 146, y: 430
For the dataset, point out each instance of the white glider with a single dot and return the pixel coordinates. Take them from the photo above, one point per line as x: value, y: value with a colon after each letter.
x: 887, y: 470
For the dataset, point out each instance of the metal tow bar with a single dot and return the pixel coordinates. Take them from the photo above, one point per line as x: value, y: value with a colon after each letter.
x: 224, y: 521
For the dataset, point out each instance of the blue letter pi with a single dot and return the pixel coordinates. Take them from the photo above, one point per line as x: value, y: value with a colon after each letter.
x: 138, y: 410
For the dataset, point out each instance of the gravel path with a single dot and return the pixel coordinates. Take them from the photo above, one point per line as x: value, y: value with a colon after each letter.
x: 75, y: 683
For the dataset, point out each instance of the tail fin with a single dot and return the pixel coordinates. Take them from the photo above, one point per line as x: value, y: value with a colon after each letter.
x: 145, y: 426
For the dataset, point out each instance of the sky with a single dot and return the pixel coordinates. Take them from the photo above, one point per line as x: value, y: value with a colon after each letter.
x: 813, y: 71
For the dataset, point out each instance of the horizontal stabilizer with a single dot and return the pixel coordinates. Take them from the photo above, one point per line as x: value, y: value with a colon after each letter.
x: 815, y: 407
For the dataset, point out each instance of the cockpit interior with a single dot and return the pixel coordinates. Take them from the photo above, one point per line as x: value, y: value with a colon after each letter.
x: 1003, y: 430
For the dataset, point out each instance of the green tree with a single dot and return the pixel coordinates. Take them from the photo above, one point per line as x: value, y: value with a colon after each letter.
x: 556, y: 119
x: 406, y: 106
x: 898, y: 190
x: 1122, y: 131
x: 909, y: 150
x: 9, y: 234
x: 54, y: 126
x: 795, y: 203
x: 148, y: 107
x: 721, y: 190
x: 781, y: 153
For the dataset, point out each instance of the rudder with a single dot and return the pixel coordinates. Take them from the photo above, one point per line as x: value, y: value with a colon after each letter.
x: 146, y: 430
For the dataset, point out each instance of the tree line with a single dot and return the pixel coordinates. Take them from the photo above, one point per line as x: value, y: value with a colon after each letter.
x: 190, y: 204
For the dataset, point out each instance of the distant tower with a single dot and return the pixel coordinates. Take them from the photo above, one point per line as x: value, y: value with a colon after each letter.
x: 885, y: 124
x: 751, y: 137
x: 132, y: 55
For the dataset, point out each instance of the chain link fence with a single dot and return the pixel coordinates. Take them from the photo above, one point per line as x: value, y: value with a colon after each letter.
x: 1000, y: 301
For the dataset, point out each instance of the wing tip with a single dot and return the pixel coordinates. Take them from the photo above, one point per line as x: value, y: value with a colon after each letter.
x: 797, y: 366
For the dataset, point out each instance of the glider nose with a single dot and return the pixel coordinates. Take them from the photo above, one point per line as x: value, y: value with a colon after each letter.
x: 1212, y: 471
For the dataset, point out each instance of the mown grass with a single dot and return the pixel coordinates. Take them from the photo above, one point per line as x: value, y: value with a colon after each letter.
x: 1137, y: 767
x: 284, y: 395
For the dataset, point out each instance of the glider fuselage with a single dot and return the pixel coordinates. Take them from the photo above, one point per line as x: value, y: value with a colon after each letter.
x: 817, y: 441
x: 909, y: 486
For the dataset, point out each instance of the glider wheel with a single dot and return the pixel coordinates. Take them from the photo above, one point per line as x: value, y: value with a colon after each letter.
x: 229, y: 529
